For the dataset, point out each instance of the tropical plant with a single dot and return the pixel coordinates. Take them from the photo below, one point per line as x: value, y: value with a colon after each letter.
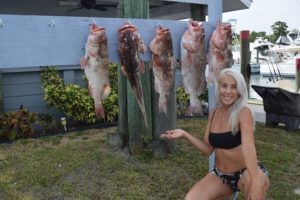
x: 75, y: 102
x: 17, y: 124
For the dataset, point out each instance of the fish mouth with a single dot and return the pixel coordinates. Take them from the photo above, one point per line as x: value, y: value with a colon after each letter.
x: 196, y: 26
x: 127, y: 26
x: 96, y: 29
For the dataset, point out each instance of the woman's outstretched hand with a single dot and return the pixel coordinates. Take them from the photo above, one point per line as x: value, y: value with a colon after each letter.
x: 173, y: 134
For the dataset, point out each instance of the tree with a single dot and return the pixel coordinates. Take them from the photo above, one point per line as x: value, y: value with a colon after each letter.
x: 279, y: 29
x: 254, y: 35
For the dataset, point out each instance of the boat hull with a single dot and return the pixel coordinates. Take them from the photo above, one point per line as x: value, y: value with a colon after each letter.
x: 287, y: 70
x: 255, y: 67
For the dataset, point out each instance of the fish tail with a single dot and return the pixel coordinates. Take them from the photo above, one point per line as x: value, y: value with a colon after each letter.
x: 142, y: 107
x: 83, y: 62
x: 162, y: 103
x: 136, y: 86
x: 99, y: 109
x: 106, y: 91
x: 145, y: 119
x: 195, y: 104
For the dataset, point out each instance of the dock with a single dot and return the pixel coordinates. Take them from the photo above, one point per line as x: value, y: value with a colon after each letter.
x: 258, y: 110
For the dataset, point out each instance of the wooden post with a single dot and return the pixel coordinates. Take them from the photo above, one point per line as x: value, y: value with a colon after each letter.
x: 163, y: 122
x: 131, y: 123
x: 245, y: 57
x: 297, y: 74
x: 198, y: 12
x: 122, y: 96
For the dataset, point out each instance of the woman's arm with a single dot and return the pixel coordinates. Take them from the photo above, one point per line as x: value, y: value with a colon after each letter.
x: 249, y: 152
x: 248, y: 146
x: 201, y: 145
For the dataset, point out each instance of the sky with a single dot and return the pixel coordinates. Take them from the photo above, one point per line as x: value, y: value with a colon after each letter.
x: 262, y: 14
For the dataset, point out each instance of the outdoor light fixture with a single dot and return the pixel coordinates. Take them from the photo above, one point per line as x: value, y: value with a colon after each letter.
x: 64, y: 122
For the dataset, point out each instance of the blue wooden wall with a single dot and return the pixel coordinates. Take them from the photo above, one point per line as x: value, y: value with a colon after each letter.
x: 29, y: 43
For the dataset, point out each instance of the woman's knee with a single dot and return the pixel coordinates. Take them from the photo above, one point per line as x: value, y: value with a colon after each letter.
x: 245, y: 182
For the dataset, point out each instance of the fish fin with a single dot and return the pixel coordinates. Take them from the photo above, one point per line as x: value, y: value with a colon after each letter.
x: 106, y: 91
x: 189, y: 58
x: 142, y: 67
x: 189, y: 112
x: 83, y: 62
x: 99, y: 109
x: 179, y: 64
x: 123, y: 69
x: 174, y: 63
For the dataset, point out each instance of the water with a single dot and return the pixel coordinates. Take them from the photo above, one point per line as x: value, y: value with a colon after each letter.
x: 257, y: 79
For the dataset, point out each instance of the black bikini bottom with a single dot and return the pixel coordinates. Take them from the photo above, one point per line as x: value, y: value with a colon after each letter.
x: 232, y: 179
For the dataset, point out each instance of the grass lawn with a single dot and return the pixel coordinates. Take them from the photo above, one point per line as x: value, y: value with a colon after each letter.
x: 81, y: 165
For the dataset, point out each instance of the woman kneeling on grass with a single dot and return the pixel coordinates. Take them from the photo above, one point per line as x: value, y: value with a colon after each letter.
x: 230, y: 133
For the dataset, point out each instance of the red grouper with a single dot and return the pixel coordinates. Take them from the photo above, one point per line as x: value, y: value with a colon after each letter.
x: 130, y: 47
x: 220, y: 51
x: 193, y: 64
x: 163, y: 64
x: 95, y: 65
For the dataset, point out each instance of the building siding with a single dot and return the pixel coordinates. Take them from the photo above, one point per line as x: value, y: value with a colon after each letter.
x: 29, y: 43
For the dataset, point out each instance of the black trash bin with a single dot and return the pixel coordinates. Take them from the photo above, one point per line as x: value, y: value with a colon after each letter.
x: 281, y: 106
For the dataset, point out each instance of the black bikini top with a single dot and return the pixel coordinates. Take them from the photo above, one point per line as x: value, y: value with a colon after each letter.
x: 226, y: 140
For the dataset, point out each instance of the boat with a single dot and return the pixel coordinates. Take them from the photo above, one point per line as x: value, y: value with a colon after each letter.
x: 281, y: 69
x: 281, y: 60
x: 236, y: 54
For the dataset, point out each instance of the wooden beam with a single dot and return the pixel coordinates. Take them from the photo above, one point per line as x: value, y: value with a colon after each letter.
x: 136, y: 128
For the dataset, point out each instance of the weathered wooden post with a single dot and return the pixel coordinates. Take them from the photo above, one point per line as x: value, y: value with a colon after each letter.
x: 245, y: 57
x: 198, y: 12
x: 297, y: 74
x: 131, y: 124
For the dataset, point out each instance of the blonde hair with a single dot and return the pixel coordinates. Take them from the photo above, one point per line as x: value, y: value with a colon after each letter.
x: 239, y: 103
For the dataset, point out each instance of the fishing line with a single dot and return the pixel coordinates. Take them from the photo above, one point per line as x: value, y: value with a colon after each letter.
x: 276, y: 64
x: 271, y: 78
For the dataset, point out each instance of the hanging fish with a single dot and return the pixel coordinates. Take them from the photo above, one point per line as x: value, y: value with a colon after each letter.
x: 95, y: 65
x: 163, y: 64
x: 220, y: 51
x: 193, y: 64
x: 130, y: 47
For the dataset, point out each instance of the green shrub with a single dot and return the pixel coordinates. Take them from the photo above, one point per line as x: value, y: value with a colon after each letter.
x: 182, y: 97
x: 75, y: 102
